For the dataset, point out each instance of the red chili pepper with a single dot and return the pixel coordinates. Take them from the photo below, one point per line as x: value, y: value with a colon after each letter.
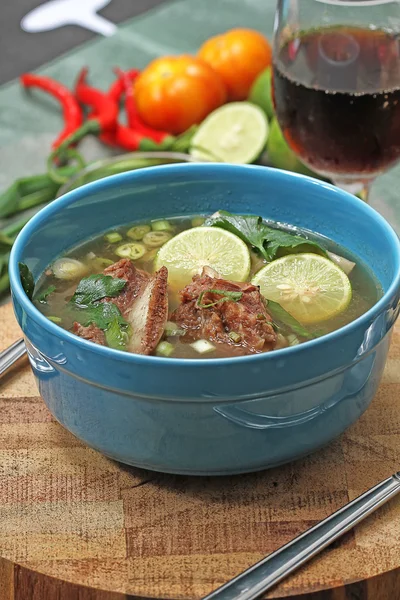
x: 133, y: 118
x: 118, y: 87
x: 72, y: 112
x: 105, y: 119
x: 104, y: 107
x: 115, y: 92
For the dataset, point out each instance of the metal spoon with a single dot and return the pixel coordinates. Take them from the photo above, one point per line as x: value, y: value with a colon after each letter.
x: 271, y: 570
x: 11, y: 355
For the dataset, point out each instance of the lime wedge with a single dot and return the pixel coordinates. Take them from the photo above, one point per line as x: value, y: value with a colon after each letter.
x: 280, y: 154
x: 261, y: 93
x: 234, y: 133
x: 310, y: 287
x: 188, y: 252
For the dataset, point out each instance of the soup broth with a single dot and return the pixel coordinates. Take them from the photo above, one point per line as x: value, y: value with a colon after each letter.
x: 140, y: 243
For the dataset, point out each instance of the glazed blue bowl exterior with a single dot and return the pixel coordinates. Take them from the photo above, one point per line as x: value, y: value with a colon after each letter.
x: 214, y: 416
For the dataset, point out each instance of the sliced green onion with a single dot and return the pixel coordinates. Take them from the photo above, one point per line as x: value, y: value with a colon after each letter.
x: 136, y: 233
x: 113, y: 237
x: 235, y: 337
x: 155, y: 239
x: 99, y: 263
x: 161, y: 226
x: 197, y: 221
x: 133, y: 251
x: 69, y: 269
x: 293, y: 339
x: 55, y: 319
x: 203, y: 346
x: 164, y: 349
x: 172, y: 329
x: 281, y: 341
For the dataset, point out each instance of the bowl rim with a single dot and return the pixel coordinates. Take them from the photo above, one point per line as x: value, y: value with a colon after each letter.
x: 177, y: 169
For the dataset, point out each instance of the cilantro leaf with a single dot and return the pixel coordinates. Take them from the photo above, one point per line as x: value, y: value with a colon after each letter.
x: 42, y: 298
x: 27, y: 280
x: 278, y: 239
x: 285, y: 320
x: 101, y: 314
x: 95, y: 287
x: 117, y: 335
x: 267, y: 240
x: 107, y: 316
x: 249, y: 228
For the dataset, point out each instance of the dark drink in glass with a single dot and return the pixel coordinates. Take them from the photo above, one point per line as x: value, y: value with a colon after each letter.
x: 337, y: 99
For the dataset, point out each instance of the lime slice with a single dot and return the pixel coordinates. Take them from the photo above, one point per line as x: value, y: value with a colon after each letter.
x: 188, y: 252
x: 310, y: 287
x: 234, y: 133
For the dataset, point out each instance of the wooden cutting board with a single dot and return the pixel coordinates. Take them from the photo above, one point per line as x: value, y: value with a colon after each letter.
x: 67, y: 512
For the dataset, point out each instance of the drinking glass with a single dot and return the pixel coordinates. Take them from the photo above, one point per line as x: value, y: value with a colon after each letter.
x: 336, y: 86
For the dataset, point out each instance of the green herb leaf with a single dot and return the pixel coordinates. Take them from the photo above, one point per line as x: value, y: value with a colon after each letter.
x: 249, y: 228
x: 27, y: 280
x: 101, y: 314
x: 267, y: 240
x: 277, y: 240
x: 95, y: 287
x: 117, y: 335
x: 227, y: 295
x: 286, y: 321
x: 42, y: 298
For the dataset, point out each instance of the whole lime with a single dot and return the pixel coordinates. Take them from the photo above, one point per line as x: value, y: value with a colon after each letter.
x: 261, y: 92
x: 279, y: 153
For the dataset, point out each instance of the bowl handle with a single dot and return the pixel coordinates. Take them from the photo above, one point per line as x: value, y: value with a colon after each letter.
x: 353, y: 384
x: 241, y: 416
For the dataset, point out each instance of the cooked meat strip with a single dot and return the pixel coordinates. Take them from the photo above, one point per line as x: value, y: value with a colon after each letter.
x: 148, y: 314
x: 143, y: 303
x: 135, y: 281
x: 246, y: 316
x: 92, y: 333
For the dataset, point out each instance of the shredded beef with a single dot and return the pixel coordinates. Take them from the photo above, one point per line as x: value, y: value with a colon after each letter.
x: 247, y: 317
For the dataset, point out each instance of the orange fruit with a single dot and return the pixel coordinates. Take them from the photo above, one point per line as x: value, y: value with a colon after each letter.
x: 175, y: 92
x: 238, y: 56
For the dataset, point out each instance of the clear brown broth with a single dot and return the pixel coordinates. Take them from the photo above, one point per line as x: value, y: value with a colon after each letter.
x: 366, y: 289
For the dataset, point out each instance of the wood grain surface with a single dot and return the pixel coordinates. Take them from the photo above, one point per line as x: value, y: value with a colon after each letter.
x: 68, y: 513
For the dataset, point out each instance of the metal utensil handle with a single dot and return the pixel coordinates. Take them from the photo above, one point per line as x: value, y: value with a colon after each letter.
x: 268, y: 572
x: 10, y: 355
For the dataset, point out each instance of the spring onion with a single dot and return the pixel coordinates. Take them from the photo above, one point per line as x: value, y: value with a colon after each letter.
x: 55, y: 319
x: 161, y: 226
x: 98, y: 263
x: 134, y: 251
x: 235, y: 337
x: 69, y: 269
x: 164, y: 349
x: 172, y: 330
x: 136, y: 233
x: 292, y: 339
x: 203, y: 346
x: 155, y: 239
x: 113, y: 237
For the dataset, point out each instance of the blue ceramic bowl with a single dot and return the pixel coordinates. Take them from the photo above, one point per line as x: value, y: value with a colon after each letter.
x: 214, y: 416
